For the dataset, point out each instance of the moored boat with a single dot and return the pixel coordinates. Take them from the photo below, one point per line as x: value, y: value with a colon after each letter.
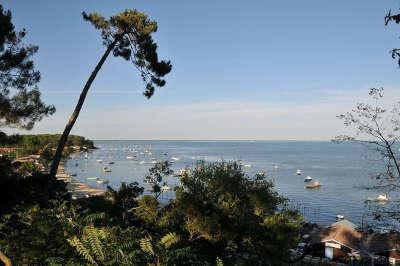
x: 313, y: 184
x: 308, y: 179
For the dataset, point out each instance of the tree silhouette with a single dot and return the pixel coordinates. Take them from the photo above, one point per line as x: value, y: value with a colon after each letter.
x: 20, y: 103
x: 126, y: 35
x: 376, y: 127
x: 396, y: 19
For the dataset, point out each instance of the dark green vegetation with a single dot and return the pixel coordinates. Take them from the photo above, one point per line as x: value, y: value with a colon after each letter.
x: 220, y: 216
x: 42, y: 144
x: 20, y: 103
x: 127, y: 35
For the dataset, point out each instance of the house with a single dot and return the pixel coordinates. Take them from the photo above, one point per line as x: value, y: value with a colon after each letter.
x: 384, y: 248
x: 342, y: 241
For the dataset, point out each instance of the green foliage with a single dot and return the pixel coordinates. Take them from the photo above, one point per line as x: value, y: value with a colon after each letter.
x: 28, y: 169
x: 147, y: 210
x: 156, y: 176
x: 220, y: 216
x: 227, y: 214
x: 43, y: 144
x: 31, y: 235
x: 17, y: 189
x: 20, y: 103
x: 130, y: 32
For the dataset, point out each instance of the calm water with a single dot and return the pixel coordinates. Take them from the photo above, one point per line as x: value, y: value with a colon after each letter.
x: 344, y: 170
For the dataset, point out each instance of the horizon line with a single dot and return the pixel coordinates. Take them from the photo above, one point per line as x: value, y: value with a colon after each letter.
x: 244, y: 140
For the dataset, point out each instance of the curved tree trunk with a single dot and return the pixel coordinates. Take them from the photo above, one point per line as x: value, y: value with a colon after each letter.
x: 6, y: 261
x: 78, y: 107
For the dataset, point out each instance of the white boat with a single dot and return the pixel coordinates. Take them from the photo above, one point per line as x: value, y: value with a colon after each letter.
x: 313, y: 184
x: 130, y: 157
x: 175, y: 158
x: 247, y: 165
x: 381, y: 198
x: 261, y: 174
x: 154, y: 161
x: 299, y: 172
x: 141, y: 162
x: 339, y: 217
x: 165, y: 188
x: 99, y: 160
x: 103, y: 181
x: 92, y: 178
x: 276, y: 167
x: 308, y: 179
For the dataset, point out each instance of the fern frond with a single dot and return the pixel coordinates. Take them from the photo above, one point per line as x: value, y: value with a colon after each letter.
x: 127, y: 245
x: 91, y: 218
x: 94, y: 241
x: 169, y: 239
x: 80, y: 248
x: 219, y: 262
x: 146, y: 246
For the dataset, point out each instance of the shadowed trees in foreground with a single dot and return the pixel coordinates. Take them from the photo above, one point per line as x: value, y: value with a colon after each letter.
x: 220, y: 216
x: 126, y: 35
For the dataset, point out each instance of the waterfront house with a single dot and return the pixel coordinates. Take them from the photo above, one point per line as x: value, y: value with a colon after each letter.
x: 384, y: 248
x: 342, y: 241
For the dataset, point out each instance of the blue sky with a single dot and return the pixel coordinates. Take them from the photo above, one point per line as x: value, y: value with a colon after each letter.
x: 241, y: 70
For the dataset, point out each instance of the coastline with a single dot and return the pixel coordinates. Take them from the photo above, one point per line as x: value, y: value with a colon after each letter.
x: 76, y: 188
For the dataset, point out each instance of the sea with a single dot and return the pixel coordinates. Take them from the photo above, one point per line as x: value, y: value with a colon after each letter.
x: 346, y: 171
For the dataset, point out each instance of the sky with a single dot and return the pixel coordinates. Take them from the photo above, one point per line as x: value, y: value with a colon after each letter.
x: 242, y: 70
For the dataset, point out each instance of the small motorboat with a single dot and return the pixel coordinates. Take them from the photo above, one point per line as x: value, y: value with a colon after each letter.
x: 92, y: 178
x: 111, y: 163
x: 381, y: 198
x: 175, y: 158
x: 339, y: 217
x: 165, y: 188
x: 313, y: 184
x: 261, y: 174
x: 154, y: 161
x: 276, y: 167
x: 103, y: 181
x: 130, y: 157
x: 99, y: 160
x: 73, y: 174
x: 247, y: 165
x: 141, y: 162
x: 106, y: 169
x: 308, y: 179
x: 299, y: 172
x: 148, y: 180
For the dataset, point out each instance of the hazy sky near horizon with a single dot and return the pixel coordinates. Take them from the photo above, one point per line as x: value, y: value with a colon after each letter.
x: 241, y: 69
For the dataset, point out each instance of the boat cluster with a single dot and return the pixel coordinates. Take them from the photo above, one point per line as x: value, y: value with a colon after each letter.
x: 311, y: 183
